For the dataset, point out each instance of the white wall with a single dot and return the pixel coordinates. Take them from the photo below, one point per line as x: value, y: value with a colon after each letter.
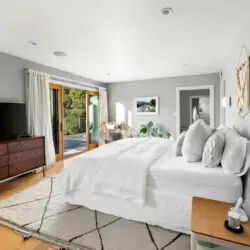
x: 122, y: 95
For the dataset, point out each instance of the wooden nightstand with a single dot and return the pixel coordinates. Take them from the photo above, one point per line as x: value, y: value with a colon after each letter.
x: 207, y: 225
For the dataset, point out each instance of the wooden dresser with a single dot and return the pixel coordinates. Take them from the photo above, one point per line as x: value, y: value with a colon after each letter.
x: 20, y: 156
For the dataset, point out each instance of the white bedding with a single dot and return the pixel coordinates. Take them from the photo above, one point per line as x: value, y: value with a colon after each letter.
x: 118, y: 169
x: 174, y: 175
x: 171, y: 184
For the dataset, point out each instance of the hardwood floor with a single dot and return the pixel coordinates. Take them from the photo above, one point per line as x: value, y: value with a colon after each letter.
x: 9, y: 239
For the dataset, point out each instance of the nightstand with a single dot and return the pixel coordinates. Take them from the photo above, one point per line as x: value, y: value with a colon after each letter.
x: 208, y: 217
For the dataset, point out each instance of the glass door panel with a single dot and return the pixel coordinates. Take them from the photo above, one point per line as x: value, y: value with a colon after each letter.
x: 93, y: 119
x: 56, y: 118
x: 74, y: 106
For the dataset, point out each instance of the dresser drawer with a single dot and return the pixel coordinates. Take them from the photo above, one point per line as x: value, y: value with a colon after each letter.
x: 25, y: 155
x: 24, y: 166
x: 3, y: 149
x: 4, y: 173
x: 23, y: 145
x: 4, y: 160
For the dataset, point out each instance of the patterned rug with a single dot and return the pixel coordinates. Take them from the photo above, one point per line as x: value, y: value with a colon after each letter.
x: 41, y: 212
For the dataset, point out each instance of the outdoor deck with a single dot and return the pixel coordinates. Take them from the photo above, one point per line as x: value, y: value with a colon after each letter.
x: 74, y: 144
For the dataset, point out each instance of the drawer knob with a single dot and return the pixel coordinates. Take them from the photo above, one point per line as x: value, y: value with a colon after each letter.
x: 17, y: 146
x: 17, y: 157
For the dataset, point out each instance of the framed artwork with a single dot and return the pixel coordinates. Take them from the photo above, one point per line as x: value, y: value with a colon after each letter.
x: 146, y: 105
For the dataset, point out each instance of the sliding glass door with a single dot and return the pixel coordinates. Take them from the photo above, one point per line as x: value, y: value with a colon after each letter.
x: 74, y: 106
x: 92, y: 100
x: 75, y: 120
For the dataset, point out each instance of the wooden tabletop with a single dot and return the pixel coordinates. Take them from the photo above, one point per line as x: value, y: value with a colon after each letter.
x: 208, y: 217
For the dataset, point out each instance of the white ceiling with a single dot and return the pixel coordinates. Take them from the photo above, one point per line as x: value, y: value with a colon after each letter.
x: 129, y: 39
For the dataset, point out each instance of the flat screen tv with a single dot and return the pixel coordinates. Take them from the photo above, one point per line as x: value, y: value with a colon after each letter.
x: 12, y: 120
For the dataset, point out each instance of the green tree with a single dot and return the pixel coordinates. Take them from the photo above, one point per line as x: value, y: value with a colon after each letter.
x: 75, y: 110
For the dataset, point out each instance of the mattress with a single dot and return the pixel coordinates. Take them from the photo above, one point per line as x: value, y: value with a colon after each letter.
x: 173, y: 174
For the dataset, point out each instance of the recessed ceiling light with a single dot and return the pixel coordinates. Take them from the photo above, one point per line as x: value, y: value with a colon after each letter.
x: 59, y: 53
x: 32, y: 43
x: 108, y: 74
x: 166, y: 11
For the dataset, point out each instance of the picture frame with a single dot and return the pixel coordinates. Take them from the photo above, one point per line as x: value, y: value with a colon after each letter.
x: 146, y: 105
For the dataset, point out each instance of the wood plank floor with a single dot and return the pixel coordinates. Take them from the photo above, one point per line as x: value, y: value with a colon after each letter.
x: 9, y: 240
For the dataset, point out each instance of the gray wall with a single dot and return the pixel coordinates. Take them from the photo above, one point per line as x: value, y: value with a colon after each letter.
x: 185, y: 104
x: 124, y: 93
x: 12, y: 78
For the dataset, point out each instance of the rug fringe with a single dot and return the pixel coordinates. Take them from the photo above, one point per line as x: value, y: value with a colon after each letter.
x: 26, y: 233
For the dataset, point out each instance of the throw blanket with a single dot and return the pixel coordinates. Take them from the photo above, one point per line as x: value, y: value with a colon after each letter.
x: 117, y: 169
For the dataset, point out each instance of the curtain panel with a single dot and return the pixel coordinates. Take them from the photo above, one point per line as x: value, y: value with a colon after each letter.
x: 243, y: 88
x: 38, y: 111
x: 103, y: 110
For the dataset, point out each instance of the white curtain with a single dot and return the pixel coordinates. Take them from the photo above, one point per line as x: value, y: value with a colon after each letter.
x: 243, y: 88
x: 38, y: 111
x: 103, y: 109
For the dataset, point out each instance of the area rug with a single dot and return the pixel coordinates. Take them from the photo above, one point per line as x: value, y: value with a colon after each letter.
x: 41, y: 212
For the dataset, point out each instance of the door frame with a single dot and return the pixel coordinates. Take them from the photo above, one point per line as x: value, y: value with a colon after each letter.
x: 90, y: 146
x: 52, y: 85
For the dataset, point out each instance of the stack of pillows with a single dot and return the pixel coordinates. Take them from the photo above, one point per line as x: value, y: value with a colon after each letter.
x: 223, y: 146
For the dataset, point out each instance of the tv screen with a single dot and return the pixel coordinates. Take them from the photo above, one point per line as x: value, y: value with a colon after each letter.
x: 12, y: 120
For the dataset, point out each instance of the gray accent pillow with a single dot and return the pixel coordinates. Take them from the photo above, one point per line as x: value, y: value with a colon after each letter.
x: 179, y: 143
x: 213, y: 149
x: 234, y: 154
x: 195, y: 140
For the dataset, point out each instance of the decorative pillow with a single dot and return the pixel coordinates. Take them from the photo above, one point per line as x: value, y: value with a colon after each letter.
x: 213, y: 149
x: 246, y: 182
x: 234, y: 156
x: 195, y: 140
x: 223, y: 130
x: 179, y: 143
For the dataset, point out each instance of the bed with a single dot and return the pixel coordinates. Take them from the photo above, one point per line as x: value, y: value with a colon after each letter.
x: 170, y: 185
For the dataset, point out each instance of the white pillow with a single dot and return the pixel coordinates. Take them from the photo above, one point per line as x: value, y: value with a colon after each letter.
x: 234, y: 156
x: 195, y: 140
x: 246, y: 181
x: 223, y: 130
x: 213, y: 150
x: 179, y: 143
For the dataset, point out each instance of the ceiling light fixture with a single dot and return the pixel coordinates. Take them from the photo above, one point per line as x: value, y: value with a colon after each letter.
x: 166, y: 11
x: 32, y: 43
x: 59, y: 53
x: 108, y: 74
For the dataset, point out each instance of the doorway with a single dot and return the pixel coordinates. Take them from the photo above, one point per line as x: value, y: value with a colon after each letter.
x: 192, y: 103
x: 75, y: 120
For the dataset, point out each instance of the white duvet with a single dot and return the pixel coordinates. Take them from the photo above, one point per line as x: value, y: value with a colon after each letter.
x: 118, y: 169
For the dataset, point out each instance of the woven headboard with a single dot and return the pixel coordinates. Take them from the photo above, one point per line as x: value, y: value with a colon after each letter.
x: 242, y: 126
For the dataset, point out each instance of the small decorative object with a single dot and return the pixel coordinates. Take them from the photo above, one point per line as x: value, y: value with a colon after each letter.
x: 146, y: 105
x: 151, y: 130
x: 235, y: 217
